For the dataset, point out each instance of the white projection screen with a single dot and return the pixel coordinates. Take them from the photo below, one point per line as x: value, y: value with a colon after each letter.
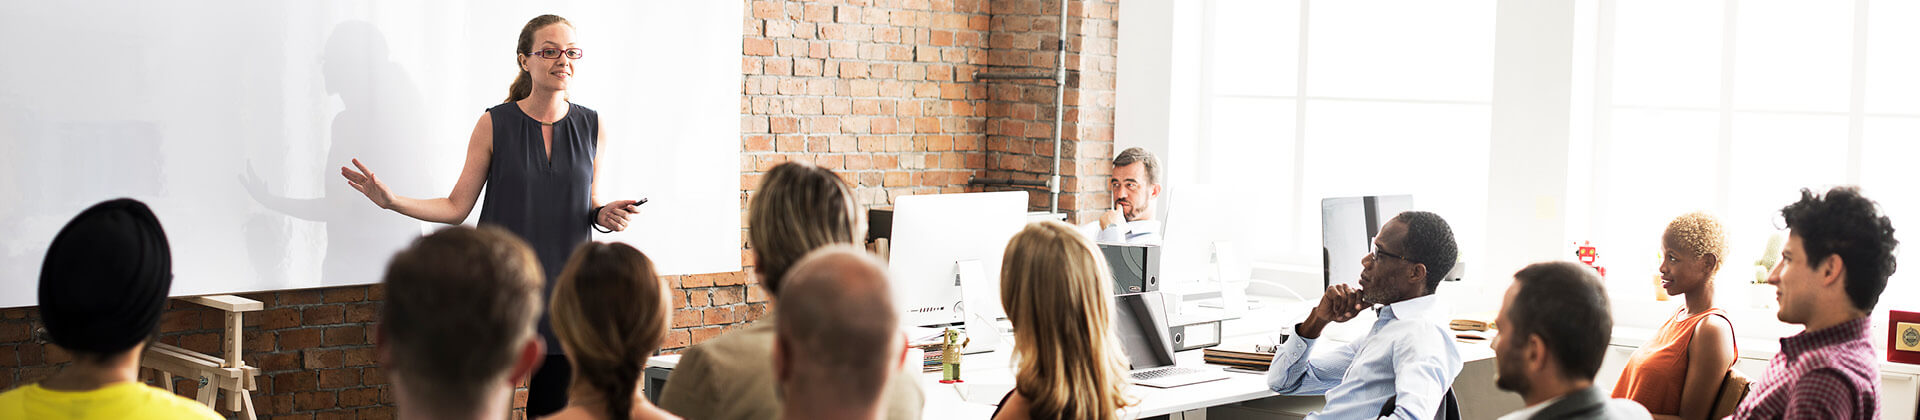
x: 232, y: 118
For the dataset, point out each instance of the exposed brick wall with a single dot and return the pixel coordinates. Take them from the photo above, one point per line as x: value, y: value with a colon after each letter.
x: 314, y: 349
x: 1020, y: 112
x: 881, y: 91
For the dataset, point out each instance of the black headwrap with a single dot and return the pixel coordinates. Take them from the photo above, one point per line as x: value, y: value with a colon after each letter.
x: 106, y: 278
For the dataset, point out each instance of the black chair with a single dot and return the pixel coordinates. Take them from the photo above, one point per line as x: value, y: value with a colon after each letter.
x: 1449, y: 407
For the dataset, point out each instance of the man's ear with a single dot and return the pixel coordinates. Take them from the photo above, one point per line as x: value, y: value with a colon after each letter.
x: 902, y: 362
x: 1536, y: 354
x: 1420, y: 277
x: 532, y: 353
x: 1833, y: 270
x: 1153, y: 190
x: 781, y: 368
x: 382, y: 348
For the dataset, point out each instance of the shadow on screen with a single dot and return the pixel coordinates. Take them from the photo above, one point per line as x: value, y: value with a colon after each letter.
x: 381, y: 123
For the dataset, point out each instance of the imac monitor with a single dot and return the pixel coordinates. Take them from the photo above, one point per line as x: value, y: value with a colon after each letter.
x: 1347, y: 228
x: 945, y: 254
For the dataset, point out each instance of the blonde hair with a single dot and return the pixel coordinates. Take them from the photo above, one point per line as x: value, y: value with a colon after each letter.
x: 1700, y: 233
x: 610, y: 310
x: 1058, y: 292
x: 799, y: 208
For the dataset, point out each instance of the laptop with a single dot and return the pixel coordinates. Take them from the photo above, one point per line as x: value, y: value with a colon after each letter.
x: 1141, y: 322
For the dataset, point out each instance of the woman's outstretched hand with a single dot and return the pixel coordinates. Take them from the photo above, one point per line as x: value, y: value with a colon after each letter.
x: 364, y: 181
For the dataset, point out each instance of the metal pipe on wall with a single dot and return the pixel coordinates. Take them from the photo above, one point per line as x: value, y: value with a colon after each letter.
x: 1059, y: 111
x: 1059, y: 78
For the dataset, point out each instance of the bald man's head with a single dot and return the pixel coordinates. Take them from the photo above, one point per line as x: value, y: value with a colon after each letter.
x: 837, y: 326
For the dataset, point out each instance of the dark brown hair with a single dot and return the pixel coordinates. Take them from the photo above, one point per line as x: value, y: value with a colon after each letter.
x: 610, y: 310
x: 1135, y: 154
x: 523, y: 83
x: 1565, y: 304
x: 460, y: 305
x: 1850, y: 225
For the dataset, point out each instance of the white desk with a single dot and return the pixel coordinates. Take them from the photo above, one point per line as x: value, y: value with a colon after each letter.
x: 990, y: 375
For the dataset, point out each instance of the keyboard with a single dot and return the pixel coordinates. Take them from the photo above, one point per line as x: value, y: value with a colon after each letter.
x: 1165, y: 372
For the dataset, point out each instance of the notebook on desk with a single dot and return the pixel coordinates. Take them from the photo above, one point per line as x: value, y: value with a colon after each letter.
x: 1141, y: 322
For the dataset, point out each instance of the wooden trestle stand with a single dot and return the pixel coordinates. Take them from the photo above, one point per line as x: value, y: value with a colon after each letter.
x: 215, y: 374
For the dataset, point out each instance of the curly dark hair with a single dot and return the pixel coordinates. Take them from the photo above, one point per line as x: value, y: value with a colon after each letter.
x: 1847, y: 224
x: 1429, y: 241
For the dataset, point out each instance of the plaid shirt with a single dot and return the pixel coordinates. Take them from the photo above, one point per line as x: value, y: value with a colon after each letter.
x: 1827, y: 374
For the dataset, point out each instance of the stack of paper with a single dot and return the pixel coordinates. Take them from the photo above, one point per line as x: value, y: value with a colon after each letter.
x: 1240, y: 356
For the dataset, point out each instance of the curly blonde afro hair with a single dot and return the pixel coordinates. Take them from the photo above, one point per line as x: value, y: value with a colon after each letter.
x: 1701, y: 234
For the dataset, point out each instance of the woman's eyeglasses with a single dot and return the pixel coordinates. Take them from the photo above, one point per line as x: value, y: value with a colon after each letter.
x: 553, y: 53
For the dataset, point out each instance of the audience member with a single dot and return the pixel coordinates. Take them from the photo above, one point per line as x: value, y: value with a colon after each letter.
x: 1555, y: 323
x: 610, y: 312
x: 456, y: 332
x: 1838, y: 256
x: 840, y: 341
x: 1068, y: 363
x: 102, y: 287
x: 1134, y: 185
x: 1677, y: 374
x: 798, y: 208
x: 1406, y: 363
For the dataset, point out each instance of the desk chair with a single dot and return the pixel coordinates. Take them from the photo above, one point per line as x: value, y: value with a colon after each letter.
x: 1733, y: 388
x: 1449, y: 407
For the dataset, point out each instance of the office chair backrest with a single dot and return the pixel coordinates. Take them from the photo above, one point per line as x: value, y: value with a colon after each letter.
x: 1449, y: 407
x: 1733, y: 388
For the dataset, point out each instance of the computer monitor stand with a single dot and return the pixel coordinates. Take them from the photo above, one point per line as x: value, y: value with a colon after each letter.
x: 1233, y: 280
x: 980, y: 306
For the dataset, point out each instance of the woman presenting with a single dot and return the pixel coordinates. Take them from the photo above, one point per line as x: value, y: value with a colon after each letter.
x: 535, y: 155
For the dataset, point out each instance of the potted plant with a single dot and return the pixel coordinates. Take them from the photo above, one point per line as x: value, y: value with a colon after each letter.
x: 1760, y: 294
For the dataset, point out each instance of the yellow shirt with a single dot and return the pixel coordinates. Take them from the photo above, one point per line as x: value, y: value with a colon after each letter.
x: 131, y: 400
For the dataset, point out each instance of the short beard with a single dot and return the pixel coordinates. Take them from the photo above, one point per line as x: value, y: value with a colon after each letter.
x: 1381, y: 294
x: 1514, y: 382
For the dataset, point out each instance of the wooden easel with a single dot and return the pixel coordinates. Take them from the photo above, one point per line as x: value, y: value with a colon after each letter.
x: 230, y: 375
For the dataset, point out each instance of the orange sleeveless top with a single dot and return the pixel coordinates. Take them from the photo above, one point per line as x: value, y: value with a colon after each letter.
x: 1657, y: 371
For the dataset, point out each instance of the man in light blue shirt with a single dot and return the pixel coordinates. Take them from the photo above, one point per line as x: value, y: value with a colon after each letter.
x: 1404, y: 365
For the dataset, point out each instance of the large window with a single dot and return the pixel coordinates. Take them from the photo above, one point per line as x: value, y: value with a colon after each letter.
x: 1302, y: 100
x: 1731, y: 107
x: 1725, y: 106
